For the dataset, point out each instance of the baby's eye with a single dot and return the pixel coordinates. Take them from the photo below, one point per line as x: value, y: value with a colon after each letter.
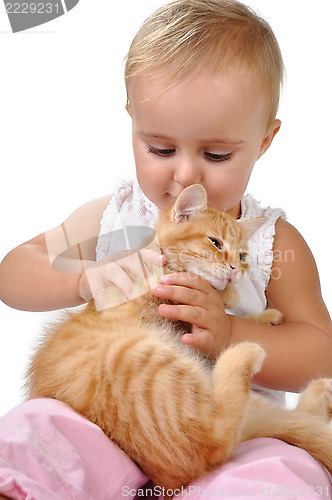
x: 218, y: 157
x: 242, y: 256
x: 160, y: 151
x: 217, y: 243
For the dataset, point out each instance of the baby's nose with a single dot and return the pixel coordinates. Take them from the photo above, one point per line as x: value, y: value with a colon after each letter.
x: 187, y: 174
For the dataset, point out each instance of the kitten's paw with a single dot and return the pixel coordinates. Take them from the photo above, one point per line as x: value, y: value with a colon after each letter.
x: 326, y: 388
x: 230, y: 297
x: 328, y: 393
x: 317, y: 398
x: 250, y: 357
x: 257, y: 355
x: 268, y: 317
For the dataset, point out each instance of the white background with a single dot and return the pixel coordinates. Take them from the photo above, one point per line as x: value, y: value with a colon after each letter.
x: 65, y: 136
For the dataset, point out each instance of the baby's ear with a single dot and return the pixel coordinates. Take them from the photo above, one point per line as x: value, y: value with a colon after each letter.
x: 250, y: 226
x: 193, y: 199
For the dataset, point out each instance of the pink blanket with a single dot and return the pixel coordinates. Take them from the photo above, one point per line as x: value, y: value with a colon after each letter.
x: 49, y: 452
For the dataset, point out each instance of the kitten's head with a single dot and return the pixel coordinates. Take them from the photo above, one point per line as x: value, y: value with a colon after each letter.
x: 202, y: 240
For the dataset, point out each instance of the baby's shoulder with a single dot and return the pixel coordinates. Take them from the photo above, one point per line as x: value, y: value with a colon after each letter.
x: 289, y: 240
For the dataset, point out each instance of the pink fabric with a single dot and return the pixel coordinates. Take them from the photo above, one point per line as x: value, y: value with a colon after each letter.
x: 48, y: 452
x: 266, y: 468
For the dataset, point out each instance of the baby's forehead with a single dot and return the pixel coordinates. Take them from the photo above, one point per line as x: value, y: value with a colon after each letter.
x: 237, y: 83
x: 217, y: 108
x: 154, y: 84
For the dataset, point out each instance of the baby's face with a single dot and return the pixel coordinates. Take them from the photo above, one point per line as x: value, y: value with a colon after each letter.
x: 207, y: 129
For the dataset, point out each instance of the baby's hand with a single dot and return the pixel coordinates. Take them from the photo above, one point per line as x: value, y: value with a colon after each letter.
x: 198, y: 303
x: 112, y: 282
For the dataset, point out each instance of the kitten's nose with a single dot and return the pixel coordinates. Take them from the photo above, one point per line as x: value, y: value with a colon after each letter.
x: 234, y: 269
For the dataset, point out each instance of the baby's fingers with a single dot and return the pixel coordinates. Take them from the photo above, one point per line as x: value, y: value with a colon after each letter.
x: 153, y: 255
x: 101, y: 277
x: 202, y: 341
x: 180, y: 312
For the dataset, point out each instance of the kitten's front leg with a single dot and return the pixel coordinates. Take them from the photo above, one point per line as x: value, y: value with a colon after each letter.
x: 232, y: 376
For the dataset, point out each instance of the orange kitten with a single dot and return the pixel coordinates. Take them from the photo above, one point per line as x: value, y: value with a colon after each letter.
x: 173, y: 412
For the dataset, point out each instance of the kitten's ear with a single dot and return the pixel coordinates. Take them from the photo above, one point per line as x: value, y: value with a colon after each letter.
x: 252, y: 225
x: 193, y: 199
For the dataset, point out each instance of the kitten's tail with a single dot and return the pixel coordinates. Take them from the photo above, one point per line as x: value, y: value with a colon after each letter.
x: 306, y: 431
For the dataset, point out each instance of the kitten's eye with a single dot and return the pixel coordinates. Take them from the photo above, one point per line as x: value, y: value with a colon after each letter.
x: 217, y: 243
x: 242, y: 256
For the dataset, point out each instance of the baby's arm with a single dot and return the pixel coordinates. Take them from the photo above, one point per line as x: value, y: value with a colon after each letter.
x: 301, y: 348
x: 28, y: 281
x: 58, y: 269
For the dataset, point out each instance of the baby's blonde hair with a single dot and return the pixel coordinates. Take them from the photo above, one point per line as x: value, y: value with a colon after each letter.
x: 186, y: 36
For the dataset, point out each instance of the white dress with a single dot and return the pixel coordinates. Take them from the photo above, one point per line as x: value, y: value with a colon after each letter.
x: 129, y: 208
